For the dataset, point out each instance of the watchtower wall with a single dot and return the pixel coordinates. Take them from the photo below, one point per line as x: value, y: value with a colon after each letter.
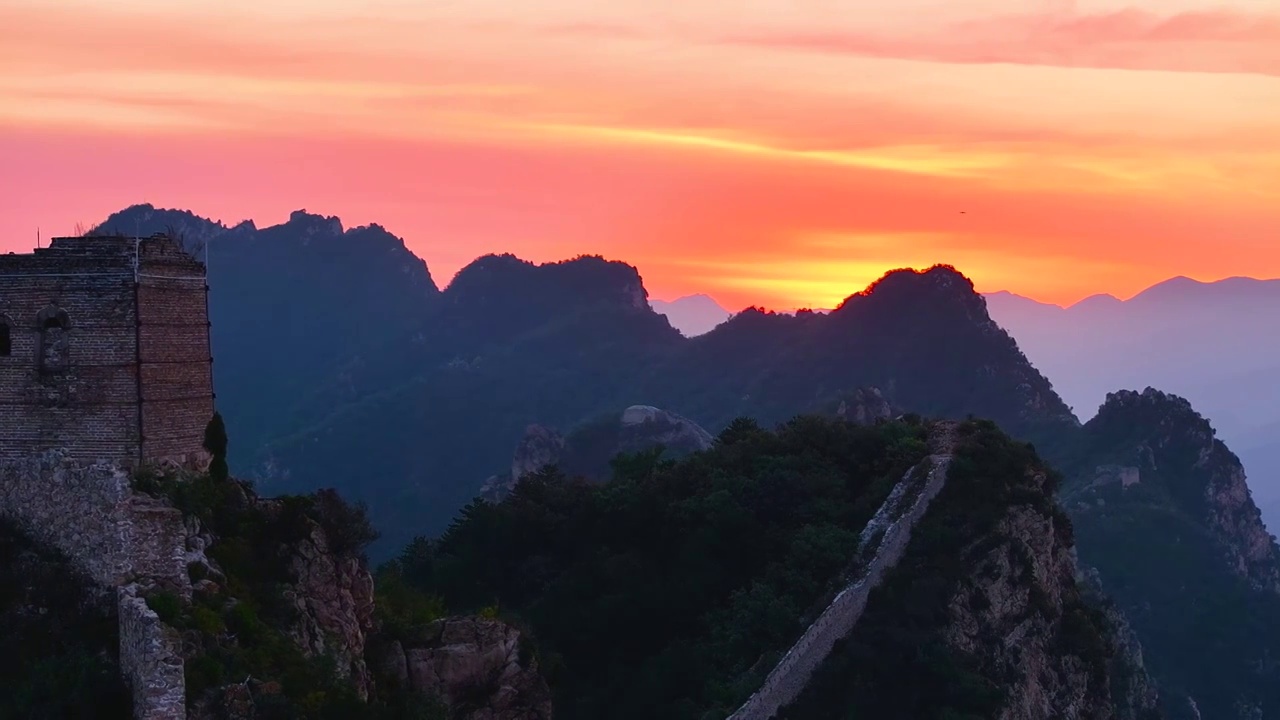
x: 104, y: 364
x: 72, y: 384
x: 104, y: 351
x: 175, y: 360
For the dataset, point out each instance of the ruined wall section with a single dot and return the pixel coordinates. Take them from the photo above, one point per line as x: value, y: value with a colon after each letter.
x: 91, y: 514
x: 175, y: 358
x: 71, y: 387
x: 124, y: 541
x: 151, y: 660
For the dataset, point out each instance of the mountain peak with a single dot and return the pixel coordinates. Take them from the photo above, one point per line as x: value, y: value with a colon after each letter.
x: 314, y: 224
x: 583, y: 280
x: 1160, y: 435
x: 938, y: 280
x: 940, y: 291
x: 1173, y: 407
x: 940, y: 276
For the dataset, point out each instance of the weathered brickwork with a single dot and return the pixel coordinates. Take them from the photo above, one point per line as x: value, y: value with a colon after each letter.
x: 108, y: 351
x: 104, y: 364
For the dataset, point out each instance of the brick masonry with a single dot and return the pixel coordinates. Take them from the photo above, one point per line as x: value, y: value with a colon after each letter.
x: 129, y: 377
x: 105, y: 364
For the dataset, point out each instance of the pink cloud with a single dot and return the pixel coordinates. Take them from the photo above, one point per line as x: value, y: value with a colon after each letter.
x: 1216, y: 42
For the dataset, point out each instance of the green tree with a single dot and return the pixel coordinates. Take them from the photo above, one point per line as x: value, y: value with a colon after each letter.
x: 215, y: 441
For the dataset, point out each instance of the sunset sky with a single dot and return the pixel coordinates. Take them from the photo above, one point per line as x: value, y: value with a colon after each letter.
x: 761, y: 151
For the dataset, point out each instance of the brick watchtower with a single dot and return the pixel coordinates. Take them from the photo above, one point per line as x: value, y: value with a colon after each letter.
x: 104, y: 351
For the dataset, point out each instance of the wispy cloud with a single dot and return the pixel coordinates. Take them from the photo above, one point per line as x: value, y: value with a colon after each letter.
x: 913, y: 160
x: 1206, y: 41
x: 782, y: 152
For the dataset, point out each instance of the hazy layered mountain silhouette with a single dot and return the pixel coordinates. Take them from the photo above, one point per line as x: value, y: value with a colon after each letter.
x: 693, y: 314
x: 418, y: 451
x: 340, y: 363
x: 298, y: 308
x: 351, y: 369
x: 1211, y: 343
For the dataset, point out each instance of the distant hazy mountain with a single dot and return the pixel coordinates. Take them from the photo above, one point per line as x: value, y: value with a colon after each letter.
x: 1212, y: 343
x: 691, y: 315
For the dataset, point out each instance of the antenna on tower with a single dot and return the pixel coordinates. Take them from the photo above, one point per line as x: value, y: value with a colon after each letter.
x: 137, y: 251
x: 37, y: 236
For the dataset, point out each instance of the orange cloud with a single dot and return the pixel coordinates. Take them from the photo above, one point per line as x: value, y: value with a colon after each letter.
x: 787, y: 166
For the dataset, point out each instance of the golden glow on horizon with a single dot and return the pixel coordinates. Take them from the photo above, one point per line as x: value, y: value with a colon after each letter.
x: 777, y: 154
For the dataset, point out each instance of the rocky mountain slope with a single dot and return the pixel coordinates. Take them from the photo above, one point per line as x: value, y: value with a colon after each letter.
x: 280, y: 619
x: 1163, y: 512
x: 674, y: 589
x: 987, y: 616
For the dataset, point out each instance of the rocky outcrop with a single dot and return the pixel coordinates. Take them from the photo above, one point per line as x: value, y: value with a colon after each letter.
x: 333, y: 597
x: 645, y: 426
x: 539, y: 447
x: 1234, y: 518
x: 587, y: 450
x: 1001, y: 603
x: 1177, y: 447
x: 1164, y: 514
x: 864, y: 406
x: 1025, y: 614
x: 482, y: 669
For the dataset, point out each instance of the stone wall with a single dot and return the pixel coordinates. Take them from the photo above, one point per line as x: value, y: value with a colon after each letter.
x: 103, y: 359
x: 89, y: 512
x: 151, y: 660
x: 792, y: 673
x: 175, y: 359
x: 85, y: 404
x: 122, y: 541
x: 105, y: 363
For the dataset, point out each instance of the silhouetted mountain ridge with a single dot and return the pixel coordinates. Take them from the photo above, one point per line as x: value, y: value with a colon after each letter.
x: 293, y: 307
x: 407, y: 401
